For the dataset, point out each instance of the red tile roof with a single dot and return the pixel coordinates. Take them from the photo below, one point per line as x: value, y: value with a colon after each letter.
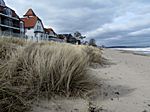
x: 30, y: 22
x: 30, y: 19
x: 30, y: 12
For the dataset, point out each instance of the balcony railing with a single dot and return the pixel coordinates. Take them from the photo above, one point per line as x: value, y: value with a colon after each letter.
x: 7, y: 26
x: 9, y: 16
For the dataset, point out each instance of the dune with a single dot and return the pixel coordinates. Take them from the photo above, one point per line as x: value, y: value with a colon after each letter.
x: 31, y: 73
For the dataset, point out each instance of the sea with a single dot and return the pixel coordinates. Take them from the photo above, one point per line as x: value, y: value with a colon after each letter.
x: 145, y: 50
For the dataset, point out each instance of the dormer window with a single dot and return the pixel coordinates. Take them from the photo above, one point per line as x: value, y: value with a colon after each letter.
x: 8, y: 12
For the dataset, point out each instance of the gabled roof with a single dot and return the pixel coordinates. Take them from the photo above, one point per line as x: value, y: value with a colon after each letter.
x: 48, y: 30
x: 30, y: 12
x: 30, y: 19
x: 30, y: 22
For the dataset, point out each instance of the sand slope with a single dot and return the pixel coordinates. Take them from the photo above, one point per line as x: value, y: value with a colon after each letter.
x: 125, y: 84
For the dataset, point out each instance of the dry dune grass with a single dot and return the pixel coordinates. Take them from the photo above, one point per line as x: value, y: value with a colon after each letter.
x: 13, y: 40
x: 94, y: 54
x: 6, y: 50
x: 41, y: 70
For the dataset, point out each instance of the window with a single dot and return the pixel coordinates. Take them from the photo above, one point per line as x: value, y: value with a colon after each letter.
x: 38, y: 28
x: 8, y: 11
x: 8, y: 22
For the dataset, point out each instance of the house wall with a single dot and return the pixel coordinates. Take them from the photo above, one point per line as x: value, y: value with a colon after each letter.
x: 46, y: 36
x: 40, y: 35
x: 39, y: 27
x: 29, y: 32
x: 52, y: 34
x: 36, y: 33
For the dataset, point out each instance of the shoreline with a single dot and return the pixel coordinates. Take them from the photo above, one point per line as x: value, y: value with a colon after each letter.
x: 132, y: 52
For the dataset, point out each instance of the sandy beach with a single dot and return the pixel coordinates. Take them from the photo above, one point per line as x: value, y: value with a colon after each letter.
x: 125, y: 83
x: 124, y: 86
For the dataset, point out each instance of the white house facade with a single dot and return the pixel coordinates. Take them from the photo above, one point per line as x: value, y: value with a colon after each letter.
x: 34, y: 28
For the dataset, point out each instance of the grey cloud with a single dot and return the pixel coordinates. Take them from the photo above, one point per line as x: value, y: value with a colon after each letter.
x: 110, y: 22
x: 143, y: 32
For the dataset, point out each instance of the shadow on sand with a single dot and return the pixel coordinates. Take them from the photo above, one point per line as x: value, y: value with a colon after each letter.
x: 105, y: 92
x: 108, y: 92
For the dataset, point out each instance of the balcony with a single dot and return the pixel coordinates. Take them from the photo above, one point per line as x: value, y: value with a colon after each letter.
x: 2, y: 25
x: 5, y: 15
x: 9, y: 24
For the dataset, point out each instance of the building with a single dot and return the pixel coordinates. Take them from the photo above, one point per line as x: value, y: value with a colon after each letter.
x: 10, y: 23
x: 50, y: 33
x: 68, y: 38
x: 34, y: 28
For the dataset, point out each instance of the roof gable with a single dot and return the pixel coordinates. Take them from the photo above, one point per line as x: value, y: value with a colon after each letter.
x: 30, y: 12
x: 30, y: 22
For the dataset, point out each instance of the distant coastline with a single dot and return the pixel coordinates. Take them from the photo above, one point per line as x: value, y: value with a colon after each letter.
x: 127, y: 46
x: 136, y: 49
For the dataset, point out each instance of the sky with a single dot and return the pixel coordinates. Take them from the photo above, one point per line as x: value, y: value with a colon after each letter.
x: 109, y: 22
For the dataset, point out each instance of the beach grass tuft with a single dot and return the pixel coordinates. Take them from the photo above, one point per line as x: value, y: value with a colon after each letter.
x: 42, y: 70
